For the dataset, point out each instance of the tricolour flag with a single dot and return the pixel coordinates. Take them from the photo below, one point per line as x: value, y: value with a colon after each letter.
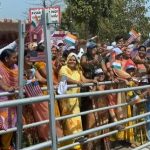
x: 117, y: 68
x: 33, y: 89
x: 116, y: 65
x: 133, y: 36
x: 70, y: 39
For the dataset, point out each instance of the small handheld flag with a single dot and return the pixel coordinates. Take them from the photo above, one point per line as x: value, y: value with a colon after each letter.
x: 33, y: 89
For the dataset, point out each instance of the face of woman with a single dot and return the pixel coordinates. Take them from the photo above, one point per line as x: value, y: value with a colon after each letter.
x: 27, y: 60
x: 72, y: 62
x: 127, y: 53
x: 142, y: 52
x: 94, y: 51
x: 12, y: 59
x: 131, y: 72
x: 54, y: 52
x: 100, y: 77
x: 120, y: 43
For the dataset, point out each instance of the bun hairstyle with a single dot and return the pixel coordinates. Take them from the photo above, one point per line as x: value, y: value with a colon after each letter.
x: 6, y: 53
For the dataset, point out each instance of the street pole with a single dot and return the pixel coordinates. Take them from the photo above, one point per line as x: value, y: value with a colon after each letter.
x: 50, y: 86
x: 21, y: 72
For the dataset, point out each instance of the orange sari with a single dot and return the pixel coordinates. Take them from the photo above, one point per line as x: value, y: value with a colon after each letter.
x: 8, y: 116
x: 10, y: 78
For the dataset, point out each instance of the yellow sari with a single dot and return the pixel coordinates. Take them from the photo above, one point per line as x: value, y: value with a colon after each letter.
x: 71, y: 105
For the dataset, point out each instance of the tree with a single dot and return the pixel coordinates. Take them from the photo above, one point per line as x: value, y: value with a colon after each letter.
x: 106, y: 18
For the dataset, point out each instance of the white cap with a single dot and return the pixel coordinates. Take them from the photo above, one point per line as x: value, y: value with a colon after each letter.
x: 60, y: 42
x: 114, y: 44
x: 98, y: 71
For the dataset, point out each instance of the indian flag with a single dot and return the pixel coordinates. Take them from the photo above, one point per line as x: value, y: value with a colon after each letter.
x: 134, y: 33
x: 70, y: 39
x: 116, y: 65
x: 133, y: 36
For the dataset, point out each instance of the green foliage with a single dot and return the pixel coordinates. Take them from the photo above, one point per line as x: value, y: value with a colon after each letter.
x: 106, y: 18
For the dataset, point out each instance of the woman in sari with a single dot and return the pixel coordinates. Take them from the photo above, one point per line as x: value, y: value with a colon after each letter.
x: 73, y: 75
x: 41, y: 67
x: 33, y: 112
x: 99, y: 118
x: 8, y: 83
x: 118, y: 73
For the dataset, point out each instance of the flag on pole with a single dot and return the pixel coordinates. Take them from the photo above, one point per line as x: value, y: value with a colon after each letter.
x: 70, y: 39
x: 133, y: 36
x: 33, y: 89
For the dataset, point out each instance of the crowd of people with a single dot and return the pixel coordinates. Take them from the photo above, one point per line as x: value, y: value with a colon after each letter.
x: 125, y: 64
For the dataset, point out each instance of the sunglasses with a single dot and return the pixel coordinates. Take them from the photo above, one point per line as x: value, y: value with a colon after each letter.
x: 100, y: 74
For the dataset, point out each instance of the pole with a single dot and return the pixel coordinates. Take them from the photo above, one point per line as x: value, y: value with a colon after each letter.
x: 21, y: 66
x: 50, y: 80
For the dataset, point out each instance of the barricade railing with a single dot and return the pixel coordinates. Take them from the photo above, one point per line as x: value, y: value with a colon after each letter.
x: 144, y: 146
x: 45, y: 98
x: 67, y: 117
x: 96, y: 129
x: 56, y: 87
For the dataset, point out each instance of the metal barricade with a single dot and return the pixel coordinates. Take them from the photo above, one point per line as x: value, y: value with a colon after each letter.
x: 50, y: 98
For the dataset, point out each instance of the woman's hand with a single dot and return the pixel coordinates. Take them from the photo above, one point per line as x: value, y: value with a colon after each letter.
x: 95, y: 82
x: 80, y: 84
x: 10, y: 89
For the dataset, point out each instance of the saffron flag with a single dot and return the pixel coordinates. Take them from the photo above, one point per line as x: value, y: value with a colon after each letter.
x: 33, y: 89
x: 70, y: 39
x: 133, y: 36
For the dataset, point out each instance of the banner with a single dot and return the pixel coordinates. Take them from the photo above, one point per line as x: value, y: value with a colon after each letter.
x: 36, y: 13
x: 36, y: 24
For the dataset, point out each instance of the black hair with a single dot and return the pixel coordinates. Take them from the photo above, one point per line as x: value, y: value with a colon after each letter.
x: 40, y: 47
x: 142, y: 47
x: 118, y: 37
x: 65, y: 54
x: 6, y: 53
x: 26, y: 52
